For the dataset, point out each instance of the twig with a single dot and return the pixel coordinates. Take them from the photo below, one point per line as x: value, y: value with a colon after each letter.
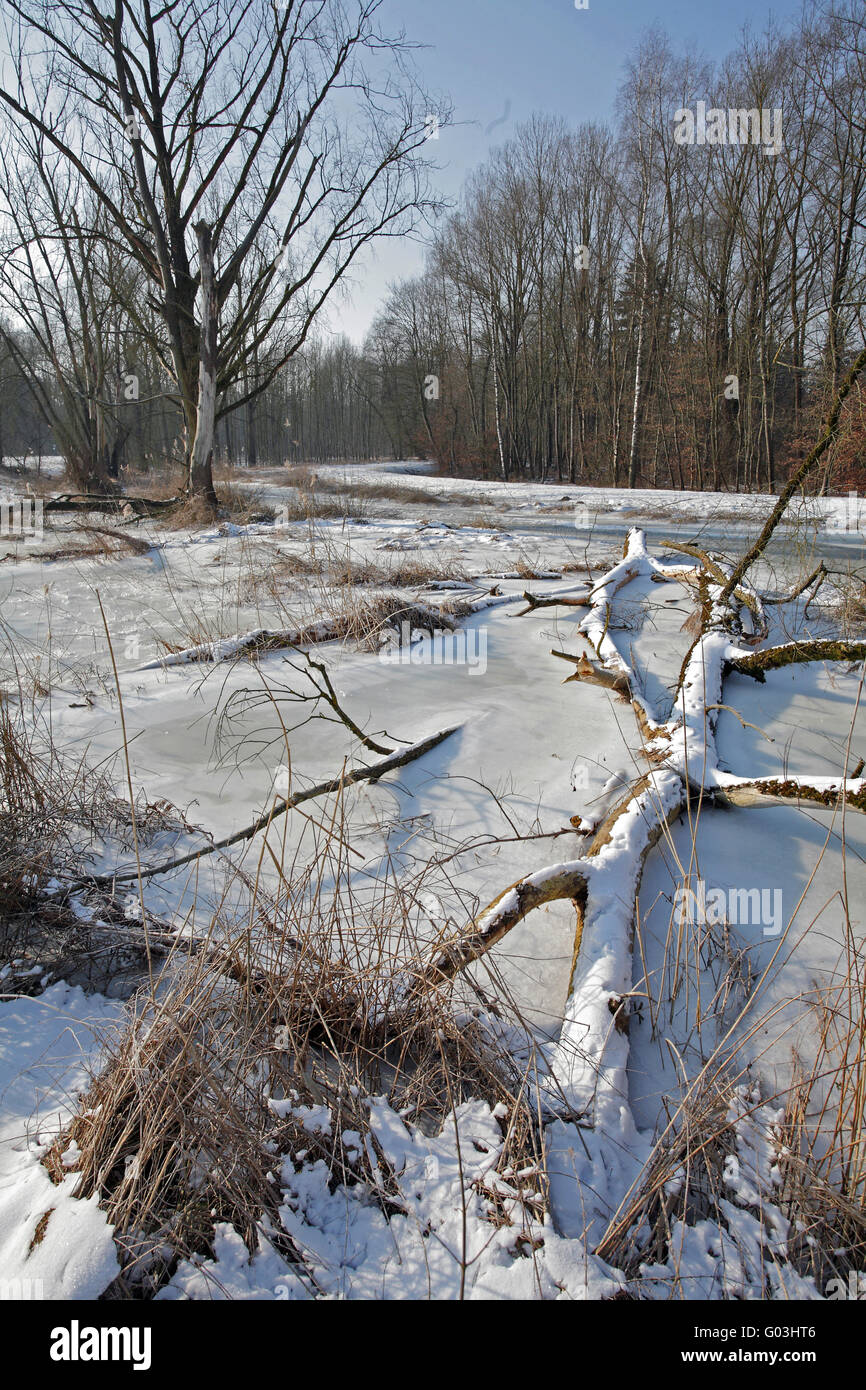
x: 346, y: 779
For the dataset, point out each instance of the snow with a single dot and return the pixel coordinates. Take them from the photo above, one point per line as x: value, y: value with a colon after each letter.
x: 495, y: 803
x: 48, y: 1046
x: 442, y: 1246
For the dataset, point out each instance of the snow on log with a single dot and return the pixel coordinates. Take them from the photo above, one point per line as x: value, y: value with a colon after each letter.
x: 257, y: 640
x: 551, y: 884
x: 590, y: 1059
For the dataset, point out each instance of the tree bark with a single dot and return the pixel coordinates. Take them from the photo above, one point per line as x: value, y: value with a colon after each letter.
x: 201, y: 455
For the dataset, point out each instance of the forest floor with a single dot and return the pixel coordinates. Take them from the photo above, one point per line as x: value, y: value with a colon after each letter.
x: 203, y: 1091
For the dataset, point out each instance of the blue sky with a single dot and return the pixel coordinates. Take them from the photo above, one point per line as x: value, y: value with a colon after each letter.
x: 500, y: 60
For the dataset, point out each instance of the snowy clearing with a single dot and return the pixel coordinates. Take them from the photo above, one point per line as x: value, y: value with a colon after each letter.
x: 639, y: 780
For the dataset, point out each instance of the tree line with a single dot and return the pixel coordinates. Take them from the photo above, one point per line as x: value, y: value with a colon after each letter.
x: 668, y: 302
x: 670, y: 299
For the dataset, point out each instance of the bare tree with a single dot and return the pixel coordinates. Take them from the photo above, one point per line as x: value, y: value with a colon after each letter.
x: 66, y: 290
x: 279, y: 141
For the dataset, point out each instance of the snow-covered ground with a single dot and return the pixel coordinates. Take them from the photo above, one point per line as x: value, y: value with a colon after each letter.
x: 49, y: 1047
x: 496, y: 800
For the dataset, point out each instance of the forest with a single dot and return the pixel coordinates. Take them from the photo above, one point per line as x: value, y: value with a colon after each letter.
x: 631, y: 303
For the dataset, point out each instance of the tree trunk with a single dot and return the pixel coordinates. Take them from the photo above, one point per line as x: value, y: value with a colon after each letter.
x: 502, y: 466
x: 201, y: 456
x: 252, y: 438
x: 633, y: 466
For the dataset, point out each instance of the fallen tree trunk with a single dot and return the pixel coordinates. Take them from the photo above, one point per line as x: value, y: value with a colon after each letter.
x: 112, y: 502
x: 260, y: 639
x: 589, y: 1065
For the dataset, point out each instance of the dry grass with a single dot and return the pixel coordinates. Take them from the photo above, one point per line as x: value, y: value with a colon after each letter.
x: 362, y: 492
x: 160, y: 485
x: 702, y: 988
x: 50, y: 812
x: 53, y: 809
x: 483, y: 521
x: 682, y: 1181
x: 398, y: 573
x: 278, y: 582
x: 825, y: 1138
x: 197, y: 1108
x: 818, y: 1149
x: 404, y: 494
x: 276, y: 577
x: 244, y: 505
x: 310, y: 506
x: 367, y: 622
x: 527, y: 568
x: 818, y: 1186
x: 342, y: 616
x: 847, y: 608
x: 300, y: 1004
x: 26, y: 850
x: 382, y: 492
x: 45, y: 802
